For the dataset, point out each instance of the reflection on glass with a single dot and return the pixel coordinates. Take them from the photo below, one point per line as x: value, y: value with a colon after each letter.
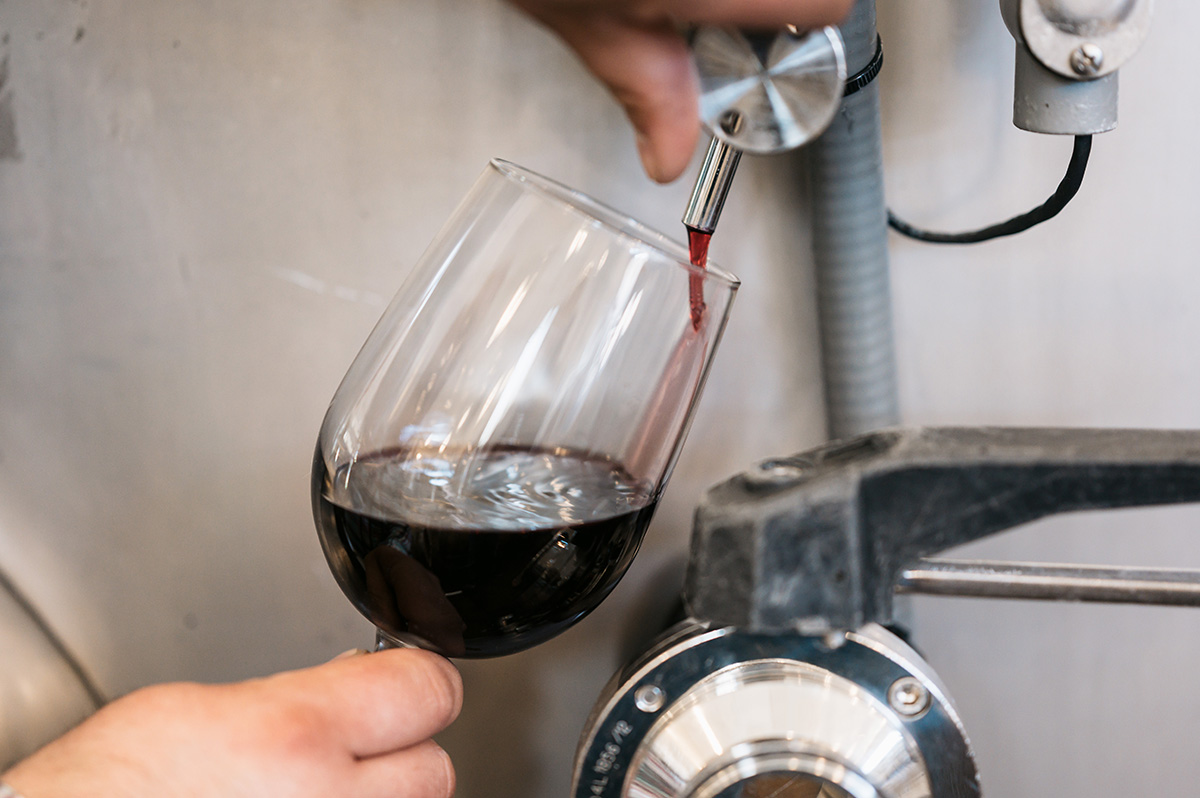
x: 489, y: 464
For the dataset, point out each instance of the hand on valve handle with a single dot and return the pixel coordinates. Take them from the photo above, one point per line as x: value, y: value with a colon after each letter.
x: 356, y: 726
x: 635, y: 48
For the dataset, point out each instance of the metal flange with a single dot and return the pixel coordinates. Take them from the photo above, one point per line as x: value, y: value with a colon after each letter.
x: 723, y: 713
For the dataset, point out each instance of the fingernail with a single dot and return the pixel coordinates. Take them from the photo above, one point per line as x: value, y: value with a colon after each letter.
x: 454, y: 679
x: 353, y: 652
x: 450, y: 776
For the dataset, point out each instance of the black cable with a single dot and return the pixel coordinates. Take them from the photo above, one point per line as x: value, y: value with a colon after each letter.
x: 1018, y: 224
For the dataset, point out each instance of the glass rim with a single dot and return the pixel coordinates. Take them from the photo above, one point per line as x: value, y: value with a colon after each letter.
x: 615, y: 221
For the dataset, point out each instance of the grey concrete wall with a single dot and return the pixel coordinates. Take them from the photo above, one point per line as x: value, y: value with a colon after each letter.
x: 205, y: 205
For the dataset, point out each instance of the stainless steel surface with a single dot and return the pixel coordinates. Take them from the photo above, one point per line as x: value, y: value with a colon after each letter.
x: 712, y: 186
x: 740, y: 720
x: 760, y: 773
x: 1055, y: 31
x: 785, y: 782
x: 1045, y: 582
x: 772, y: 92
x: 41, y: 696
x: 746, y: 711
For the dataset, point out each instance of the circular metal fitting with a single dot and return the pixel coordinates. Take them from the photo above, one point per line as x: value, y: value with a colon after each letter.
x: 1087, y: 59
x: 731, y: 714
x: 909, y: 697
x: 768, y: 92
x: 1081, y: 40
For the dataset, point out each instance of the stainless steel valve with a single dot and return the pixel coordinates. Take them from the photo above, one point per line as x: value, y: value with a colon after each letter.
x: 726, y: 713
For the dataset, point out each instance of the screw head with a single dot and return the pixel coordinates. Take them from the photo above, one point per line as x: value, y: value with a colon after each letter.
x: 1087, y: 59
x: 649, y: 698
x: 909, y: 697
x: 731, y: 122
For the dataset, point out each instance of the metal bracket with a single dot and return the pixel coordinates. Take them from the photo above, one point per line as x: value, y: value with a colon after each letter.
x: 823, y: 539
x: 1081, y: 41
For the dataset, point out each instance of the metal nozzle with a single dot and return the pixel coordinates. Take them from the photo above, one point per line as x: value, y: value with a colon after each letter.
x: 760, y: 92
x: 712, y: 185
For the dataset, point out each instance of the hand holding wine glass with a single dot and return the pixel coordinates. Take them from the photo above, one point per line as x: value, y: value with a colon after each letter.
x: 358, y: 725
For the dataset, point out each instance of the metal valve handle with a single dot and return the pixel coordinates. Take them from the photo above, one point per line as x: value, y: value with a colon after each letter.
x: 768, y: 92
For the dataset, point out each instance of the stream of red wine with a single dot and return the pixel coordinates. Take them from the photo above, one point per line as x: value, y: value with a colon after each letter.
x: 698, y: 254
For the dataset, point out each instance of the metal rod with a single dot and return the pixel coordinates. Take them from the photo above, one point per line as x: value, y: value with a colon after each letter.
x: 712, y: 186
x: 1039, y: 581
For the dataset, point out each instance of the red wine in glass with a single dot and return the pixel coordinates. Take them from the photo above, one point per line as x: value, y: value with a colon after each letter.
x: 531, y: 542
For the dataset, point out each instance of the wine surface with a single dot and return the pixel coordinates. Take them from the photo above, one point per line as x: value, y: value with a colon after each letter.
x: 483, y: 554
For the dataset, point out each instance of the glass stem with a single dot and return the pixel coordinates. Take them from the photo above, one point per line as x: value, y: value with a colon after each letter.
x: 384, y: 641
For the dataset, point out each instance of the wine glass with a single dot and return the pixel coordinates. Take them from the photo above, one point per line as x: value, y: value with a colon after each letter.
x: 489, y: 464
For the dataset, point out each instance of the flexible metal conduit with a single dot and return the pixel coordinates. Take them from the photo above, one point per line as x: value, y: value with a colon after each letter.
x: 850, y: 249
